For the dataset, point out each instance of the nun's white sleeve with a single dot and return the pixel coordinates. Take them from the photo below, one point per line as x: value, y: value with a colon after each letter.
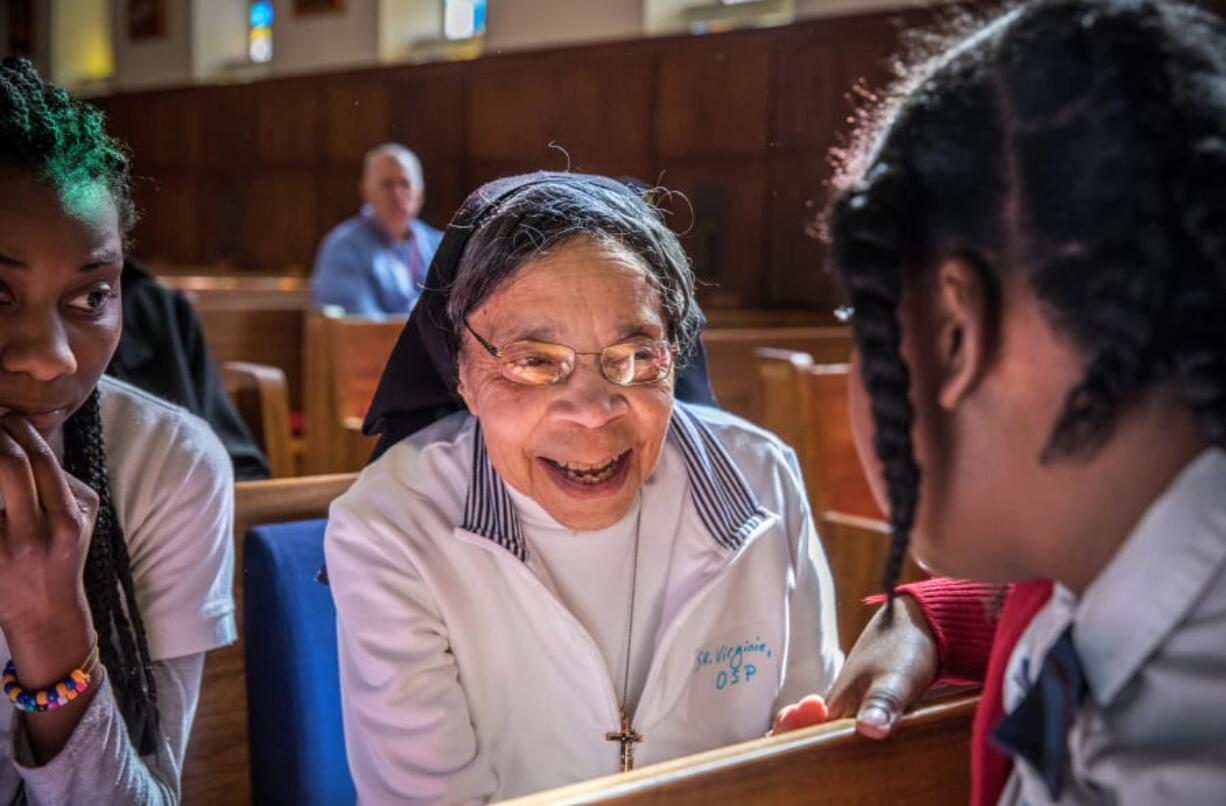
x: 408, y: 733
x: 814, y: 657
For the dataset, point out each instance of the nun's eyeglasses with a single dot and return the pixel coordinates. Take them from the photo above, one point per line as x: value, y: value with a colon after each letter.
x: 637, y: 361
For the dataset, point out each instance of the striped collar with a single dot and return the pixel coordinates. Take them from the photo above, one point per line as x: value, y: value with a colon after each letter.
x: 725, y: 503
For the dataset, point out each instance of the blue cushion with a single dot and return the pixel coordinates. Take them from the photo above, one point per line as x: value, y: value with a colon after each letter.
x: 293, y: 689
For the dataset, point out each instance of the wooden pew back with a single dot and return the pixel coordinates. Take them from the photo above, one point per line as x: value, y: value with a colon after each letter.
x: 785, y: 405
x: 856, y: 549
x: 926, y: 761
x: 839, y: 483
x: 271, y: 336
x: 261, y: 398
x: 241, y: 291
x: 731, y: 362
x: 251, y: 318
x: 217, y: 767
x: 344, y: 361
x: 805, y: 404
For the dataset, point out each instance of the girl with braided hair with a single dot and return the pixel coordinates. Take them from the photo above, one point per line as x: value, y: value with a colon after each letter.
x: 1032, y: 234
x: 115, y: 507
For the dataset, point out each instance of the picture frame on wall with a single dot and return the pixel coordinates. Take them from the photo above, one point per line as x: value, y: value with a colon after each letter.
x: 21, y: 39
x: 146, y: 19
x: 319, y: 6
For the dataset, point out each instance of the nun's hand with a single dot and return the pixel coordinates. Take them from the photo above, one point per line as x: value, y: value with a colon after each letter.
x: 890, y: 666
x: 809, y: 711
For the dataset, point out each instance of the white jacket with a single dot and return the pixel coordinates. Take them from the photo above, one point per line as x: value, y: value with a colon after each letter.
x: 463, y: 676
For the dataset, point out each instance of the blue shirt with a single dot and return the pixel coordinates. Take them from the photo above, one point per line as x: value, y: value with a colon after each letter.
x: 361, y: 270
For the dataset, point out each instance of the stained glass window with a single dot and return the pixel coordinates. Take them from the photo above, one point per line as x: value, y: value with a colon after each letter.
x: 463, y: 19
x: 259, y: 31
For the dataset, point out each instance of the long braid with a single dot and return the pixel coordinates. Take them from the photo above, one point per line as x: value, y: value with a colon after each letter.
x: 869, y: 226
x: 108, y: 583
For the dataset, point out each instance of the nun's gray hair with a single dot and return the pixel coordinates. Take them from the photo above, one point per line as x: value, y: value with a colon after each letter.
x: 544, y: 216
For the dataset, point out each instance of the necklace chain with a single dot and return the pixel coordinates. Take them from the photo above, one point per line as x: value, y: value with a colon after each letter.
x: 634, y: 580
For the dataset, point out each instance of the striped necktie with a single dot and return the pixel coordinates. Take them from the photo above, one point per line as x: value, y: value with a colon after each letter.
x: 1037, y: 730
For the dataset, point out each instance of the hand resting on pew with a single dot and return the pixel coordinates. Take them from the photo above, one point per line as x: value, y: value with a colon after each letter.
x: 889, y: 668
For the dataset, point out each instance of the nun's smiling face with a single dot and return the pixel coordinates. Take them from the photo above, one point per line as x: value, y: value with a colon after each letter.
x: 583, y: 447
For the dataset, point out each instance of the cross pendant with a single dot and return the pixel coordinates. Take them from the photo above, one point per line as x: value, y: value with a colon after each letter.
x: 627, y: 737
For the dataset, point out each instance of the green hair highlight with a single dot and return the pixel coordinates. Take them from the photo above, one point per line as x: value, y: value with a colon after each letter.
x: 63, y: 142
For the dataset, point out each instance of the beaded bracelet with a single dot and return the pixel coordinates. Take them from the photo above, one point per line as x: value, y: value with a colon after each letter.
x: 59, y: 695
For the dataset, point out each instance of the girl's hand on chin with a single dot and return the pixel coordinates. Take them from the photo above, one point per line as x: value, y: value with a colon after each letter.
x: 45, y: 528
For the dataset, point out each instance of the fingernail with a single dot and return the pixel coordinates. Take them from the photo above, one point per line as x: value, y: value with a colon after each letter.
x: 875, y: 716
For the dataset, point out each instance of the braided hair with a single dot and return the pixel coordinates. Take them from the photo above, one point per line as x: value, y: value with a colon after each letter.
x: 1082, y: 143
x: 62, y: 141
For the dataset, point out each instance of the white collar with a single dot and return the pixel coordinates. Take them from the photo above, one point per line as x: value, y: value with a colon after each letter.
x: 718, y: 490
x: 1155, y: 577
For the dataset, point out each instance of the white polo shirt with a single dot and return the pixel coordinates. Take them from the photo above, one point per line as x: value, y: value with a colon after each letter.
x: 466, y: 676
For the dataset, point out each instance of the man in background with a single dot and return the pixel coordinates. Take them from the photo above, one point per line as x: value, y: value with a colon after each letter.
x: 374, y: 263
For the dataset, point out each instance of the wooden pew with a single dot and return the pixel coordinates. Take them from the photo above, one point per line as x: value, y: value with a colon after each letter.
x: 785, y: 407
x: 216, y: 770
x: 271, y: 336
x: 926, y: 761
x: 238, y: 291
x: 251, y: 318
x: 260, y: 395
x: 839, y: 481
x: 856, y: 549
x: 730, y: 359
x: 805, y: 404
x: 344, y: 361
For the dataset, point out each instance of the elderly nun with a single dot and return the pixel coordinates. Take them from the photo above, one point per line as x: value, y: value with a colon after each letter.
x: 557, y: 569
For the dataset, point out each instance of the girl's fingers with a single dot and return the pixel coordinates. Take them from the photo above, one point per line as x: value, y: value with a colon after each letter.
x: 86, y: 501
x: 22, y: 515
x: 50, y: 485
x: 843, y: 699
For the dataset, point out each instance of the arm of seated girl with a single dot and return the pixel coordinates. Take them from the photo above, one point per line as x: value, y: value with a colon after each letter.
x: 79, y: 773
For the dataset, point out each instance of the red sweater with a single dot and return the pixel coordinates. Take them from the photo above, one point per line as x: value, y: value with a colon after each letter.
x: 975, y: 638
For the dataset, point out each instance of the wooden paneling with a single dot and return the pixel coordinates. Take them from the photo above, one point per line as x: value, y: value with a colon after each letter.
x: 163, y: 129
x: 254, y: 175
x: 713, y: 97
x: 275, y: 203
x: 796, y: 267
x: 596, y: 108
x: 170, y: 204
x: 354, y: 117
x: 287, y: 124
x: 724, y: 240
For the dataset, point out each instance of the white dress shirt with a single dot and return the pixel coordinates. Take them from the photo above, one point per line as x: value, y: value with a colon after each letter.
x: 1151, y: 635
